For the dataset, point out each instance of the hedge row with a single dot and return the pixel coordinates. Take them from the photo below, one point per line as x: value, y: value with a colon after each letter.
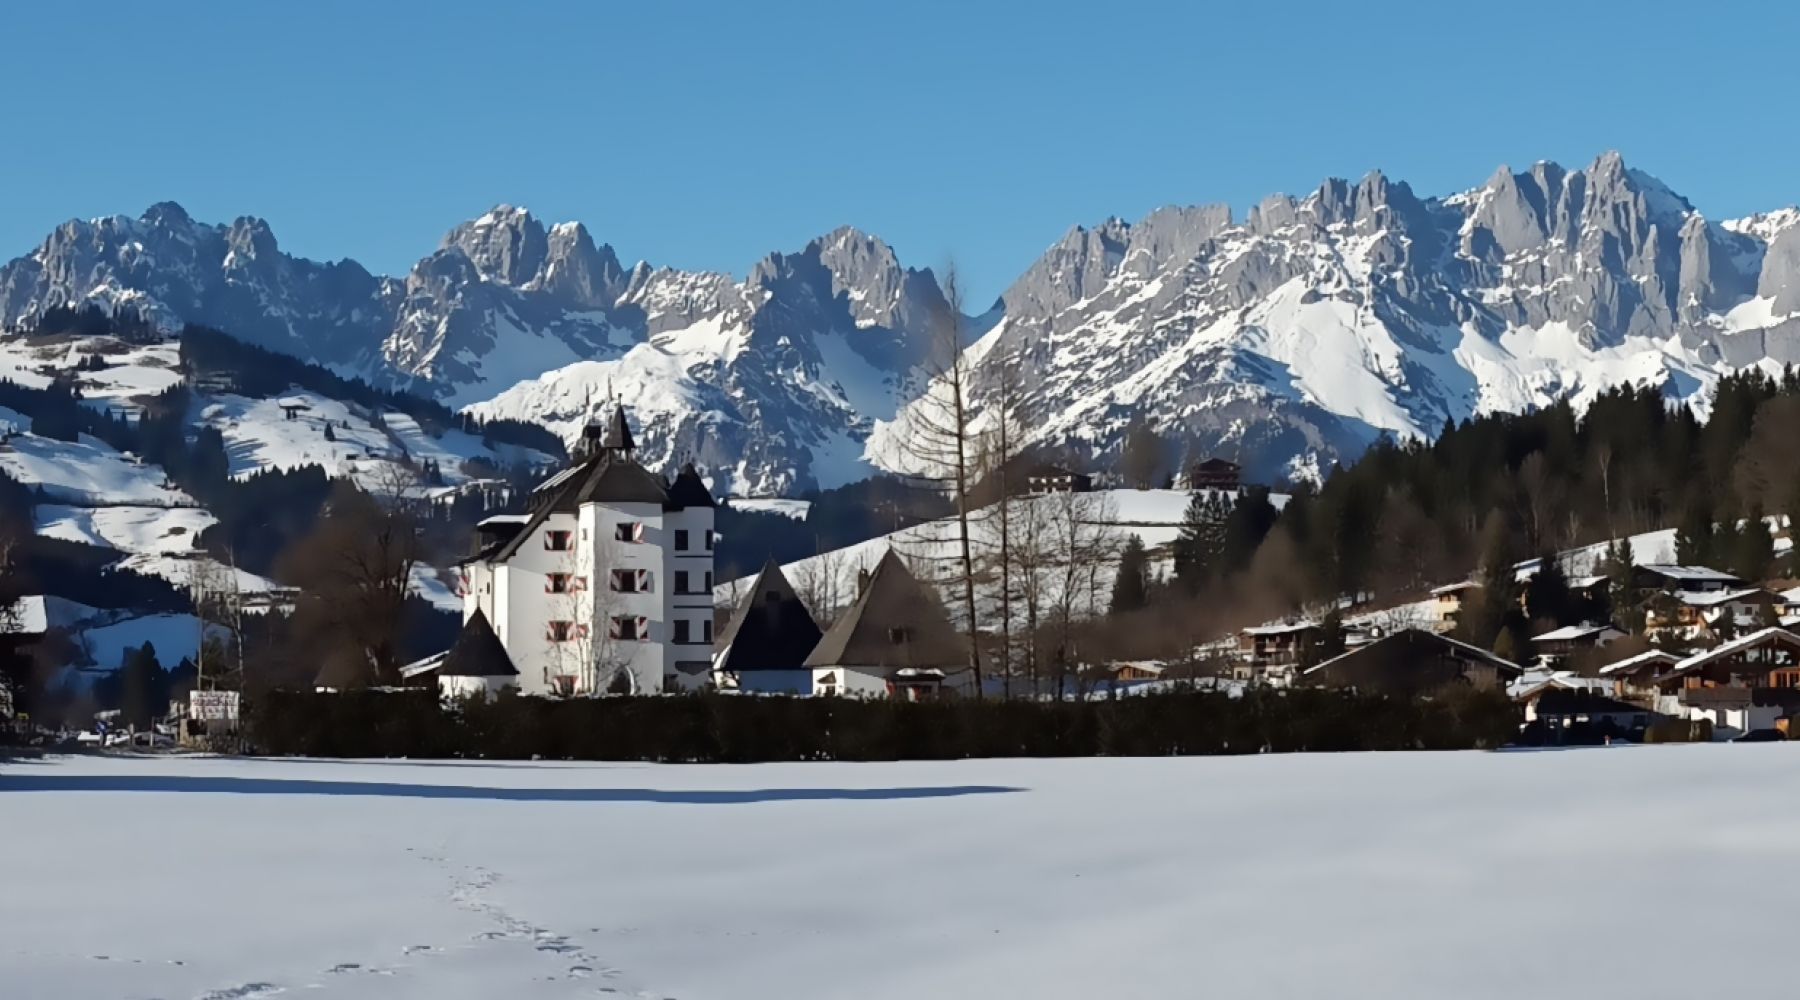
x: 716, y: 728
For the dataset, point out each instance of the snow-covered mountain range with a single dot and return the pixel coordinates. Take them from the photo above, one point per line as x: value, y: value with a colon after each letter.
x: 1288, y: 339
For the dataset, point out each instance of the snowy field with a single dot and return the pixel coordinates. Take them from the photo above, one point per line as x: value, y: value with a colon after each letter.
x: 1588, y: 873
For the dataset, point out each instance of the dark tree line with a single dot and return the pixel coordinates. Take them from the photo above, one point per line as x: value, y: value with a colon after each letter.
x: 1496, y: 490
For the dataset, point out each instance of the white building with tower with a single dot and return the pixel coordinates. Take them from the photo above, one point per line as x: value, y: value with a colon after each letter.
x: 605, y: 583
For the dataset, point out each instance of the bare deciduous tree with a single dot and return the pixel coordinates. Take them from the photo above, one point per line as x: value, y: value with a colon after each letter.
x: 939, y: 438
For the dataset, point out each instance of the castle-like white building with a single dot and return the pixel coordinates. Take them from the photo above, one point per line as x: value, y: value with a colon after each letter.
x: 605, y: 584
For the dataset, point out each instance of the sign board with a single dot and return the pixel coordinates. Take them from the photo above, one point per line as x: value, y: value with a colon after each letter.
x: 213, y: 706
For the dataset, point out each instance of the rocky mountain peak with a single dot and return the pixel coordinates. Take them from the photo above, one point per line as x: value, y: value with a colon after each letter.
x: 506, y: 244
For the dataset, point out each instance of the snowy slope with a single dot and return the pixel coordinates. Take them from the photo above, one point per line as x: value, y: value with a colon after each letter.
x: 87, y: 471
x: 1153, y: 878
x: 99, y: 496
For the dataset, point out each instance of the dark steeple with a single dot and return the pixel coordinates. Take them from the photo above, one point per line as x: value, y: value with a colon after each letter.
x: 618, y: 433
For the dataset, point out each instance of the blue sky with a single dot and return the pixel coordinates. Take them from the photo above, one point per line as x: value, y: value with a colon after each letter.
x: 704, y: 135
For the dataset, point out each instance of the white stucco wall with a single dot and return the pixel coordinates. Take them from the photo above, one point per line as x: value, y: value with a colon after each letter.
x: 516, y: 597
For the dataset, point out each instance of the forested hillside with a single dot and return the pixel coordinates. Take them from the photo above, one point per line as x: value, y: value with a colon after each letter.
x: 1486, y: 494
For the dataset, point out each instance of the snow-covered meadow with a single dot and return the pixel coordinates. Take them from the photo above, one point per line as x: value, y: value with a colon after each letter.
x: 1629, y: 872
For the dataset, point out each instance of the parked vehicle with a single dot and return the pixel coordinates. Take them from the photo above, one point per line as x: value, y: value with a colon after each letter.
x: 1762, y: 736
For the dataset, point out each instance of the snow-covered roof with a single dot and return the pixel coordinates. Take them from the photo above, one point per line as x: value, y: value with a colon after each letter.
x: 1631, y: 663
x: 1281, y: 628
x: 425, y: 665
x: 1713, y: 598
x: 1687, y: 573
x: 1453, y: 588
x: 1584, y: 582
x: 1735, y: 646
x: 1534, y: 681
x: 1571, y: 632
x: 503, y: 519
x: 1791, y: 596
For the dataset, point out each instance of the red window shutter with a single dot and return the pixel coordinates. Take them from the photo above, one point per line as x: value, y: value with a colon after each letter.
x: 581, y: 631
x: 637, y: 531
x: 643, y: 580
x: 643, y: 627
x: 612, y: 629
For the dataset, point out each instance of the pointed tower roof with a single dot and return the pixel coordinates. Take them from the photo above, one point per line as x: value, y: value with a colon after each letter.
x: 618, y: 432
x: 771, y: 629
x: 689, y: 490
x: 895, y: 622
x: 477, y: 652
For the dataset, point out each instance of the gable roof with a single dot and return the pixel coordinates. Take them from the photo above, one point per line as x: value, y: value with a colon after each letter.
x: 1570, y: 633
x: 1688, y: 574
x: 1401, y: 662
x: 1732, y: 648
x: 1648, y: 658
x: 1711, y: 598
x: 477, y: 652
x: 771, y: 629
x: 892, y: 599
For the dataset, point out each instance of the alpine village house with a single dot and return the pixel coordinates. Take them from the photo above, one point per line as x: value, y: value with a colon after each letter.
x: 603, y: 585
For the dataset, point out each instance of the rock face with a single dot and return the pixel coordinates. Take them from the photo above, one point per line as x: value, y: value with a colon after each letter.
x: 1296, y: 337
x: 773, y: 382
x: 1288, y: 340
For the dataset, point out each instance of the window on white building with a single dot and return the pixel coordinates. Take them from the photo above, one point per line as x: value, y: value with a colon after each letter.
x: 681, y: 582
x: 706, y: 630
x: 681, y: 539
x: 631, y: 581
x: 558, y: 541
x: 630, y: 628
x: 709, y: 540
x: 559, y: 631
x: 628, y: 531
x: 683, y: 630
x: 558, y: 583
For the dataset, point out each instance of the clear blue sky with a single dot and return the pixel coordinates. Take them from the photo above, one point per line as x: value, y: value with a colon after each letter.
x: 707, y: 134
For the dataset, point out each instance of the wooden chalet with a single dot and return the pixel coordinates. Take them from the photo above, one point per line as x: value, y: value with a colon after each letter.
x: 1278, y: 644
x: 1215, y: 474
x: 1571, y: 639
x: 1056, y: 479
x: 1447, y: 602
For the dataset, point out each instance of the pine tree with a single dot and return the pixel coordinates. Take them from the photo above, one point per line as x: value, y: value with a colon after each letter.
x: 1131, y: 588
x: 329, y: 434
x: 1753, y: 549
x: 1200, y: 543
x: 1547, y: 596
x: 1694, y: 536
x: 1142, y: 459
x: 1496, y: 608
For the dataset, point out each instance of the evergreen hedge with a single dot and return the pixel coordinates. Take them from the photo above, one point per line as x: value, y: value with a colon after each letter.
x: 736, y: 729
